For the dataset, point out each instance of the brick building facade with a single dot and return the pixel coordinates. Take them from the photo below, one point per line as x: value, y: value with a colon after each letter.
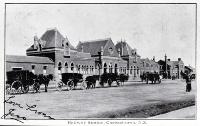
x: 171, y: 68
x: 53, y: 54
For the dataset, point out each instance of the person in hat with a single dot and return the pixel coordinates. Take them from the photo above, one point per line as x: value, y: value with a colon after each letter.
x: 188, y: 82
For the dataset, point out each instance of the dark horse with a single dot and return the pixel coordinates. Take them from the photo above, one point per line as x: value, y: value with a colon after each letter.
x: 42, y: 79
x: 153, y: 77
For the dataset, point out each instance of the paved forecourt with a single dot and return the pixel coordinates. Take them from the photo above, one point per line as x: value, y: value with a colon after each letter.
x: 84, y: 103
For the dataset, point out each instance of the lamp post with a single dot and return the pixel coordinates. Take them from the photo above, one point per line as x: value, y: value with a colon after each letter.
x: 99, y: 63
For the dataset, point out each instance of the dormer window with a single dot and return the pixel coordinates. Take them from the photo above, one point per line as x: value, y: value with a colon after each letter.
x: 110, y: 50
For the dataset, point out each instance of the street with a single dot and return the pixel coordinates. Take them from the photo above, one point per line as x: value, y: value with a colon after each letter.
x: 97, y: 102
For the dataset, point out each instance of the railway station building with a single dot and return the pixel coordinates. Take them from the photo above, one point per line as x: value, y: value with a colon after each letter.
x: 53, y: 53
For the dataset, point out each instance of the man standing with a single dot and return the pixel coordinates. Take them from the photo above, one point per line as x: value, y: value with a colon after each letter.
x: 188, y: 82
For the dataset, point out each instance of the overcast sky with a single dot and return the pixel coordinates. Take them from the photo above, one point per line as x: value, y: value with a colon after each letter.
x: 153, y: 29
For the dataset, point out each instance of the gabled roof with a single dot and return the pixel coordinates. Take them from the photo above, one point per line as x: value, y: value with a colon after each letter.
x: 189, y: 67
x: 127, y: 50
x: 53, y: 39
x: 92, y: 46
x: 28, y: 59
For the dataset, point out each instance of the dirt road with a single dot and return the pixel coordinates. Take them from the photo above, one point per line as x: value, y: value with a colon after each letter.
x: 86, y: 103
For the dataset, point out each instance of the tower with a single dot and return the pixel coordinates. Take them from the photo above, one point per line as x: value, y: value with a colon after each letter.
x: 66, y: 48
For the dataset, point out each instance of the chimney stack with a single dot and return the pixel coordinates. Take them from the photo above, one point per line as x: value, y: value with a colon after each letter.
x: 101, y: 50
x: 35, y: 42
x: 153, y: 58
x: 119, y: 52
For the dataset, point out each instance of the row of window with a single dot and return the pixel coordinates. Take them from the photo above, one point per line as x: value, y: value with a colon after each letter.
x: 79, y: 68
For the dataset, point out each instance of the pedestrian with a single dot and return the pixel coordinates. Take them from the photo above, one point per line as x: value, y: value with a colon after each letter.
x: 188, y: 83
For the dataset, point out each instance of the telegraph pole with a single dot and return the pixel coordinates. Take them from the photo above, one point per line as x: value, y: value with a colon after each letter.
x: 166, y: 65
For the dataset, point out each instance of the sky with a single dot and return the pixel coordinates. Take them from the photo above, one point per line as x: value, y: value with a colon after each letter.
x: 153, y: 29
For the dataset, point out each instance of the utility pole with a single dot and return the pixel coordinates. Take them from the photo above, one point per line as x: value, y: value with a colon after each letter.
x: 166, y: 65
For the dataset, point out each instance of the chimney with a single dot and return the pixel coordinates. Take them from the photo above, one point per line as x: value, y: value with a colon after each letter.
x: 118, y: 50
x: 101, y: 50
x: 35, y: 42
x: 153, y: 58
x: 179, y: 59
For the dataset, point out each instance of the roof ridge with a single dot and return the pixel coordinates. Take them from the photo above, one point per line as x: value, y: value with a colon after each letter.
x: 95, y: 40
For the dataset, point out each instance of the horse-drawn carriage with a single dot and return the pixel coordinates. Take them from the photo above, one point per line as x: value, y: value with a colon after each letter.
x: 70, y: 80
x: 108, y: 78
x: 153, y: 77
x: 20, y: 81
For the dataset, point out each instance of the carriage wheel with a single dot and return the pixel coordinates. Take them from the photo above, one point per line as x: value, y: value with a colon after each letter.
x: 70, y: 84
x: 13, y: 89
x: 118, y: 82
x: 36, y: 87
x: 25, y: 89
x: 8, y: 91
x: 109, y: 82
x: 60, y: 85
x: 83, y: 85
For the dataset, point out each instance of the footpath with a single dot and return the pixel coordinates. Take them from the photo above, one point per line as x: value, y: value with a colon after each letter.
x: 184, y: 113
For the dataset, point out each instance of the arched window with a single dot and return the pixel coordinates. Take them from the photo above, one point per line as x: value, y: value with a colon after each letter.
x: 59, y: 66
x: 131, y: 70
x: 92, y: 69
x: 110, y: 68
x: 116, y: 68
x: 79, y: 68
x: 72, y: 67
x: 105, y: 68
x: 82, y: 69
x: 87, y: 69
x: 134, y: 71
x: 66, y: 67
x: 137, y: 70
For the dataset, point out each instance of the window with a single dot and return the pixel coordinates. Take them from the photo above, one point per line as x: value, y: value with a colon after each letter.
x: 59, y: 66
x: 16, y: 68
x: 92, y: 69
x: 110, y: 68
x: 33, y: 69
x: 125, y: 70
x: 87, y: 69
x: 134, y: 71
x: 105, y: 68
x: 115, y: 68
x: 110, y: 50
x: 131, y: 70
x: 44, y: 69
x: 66, y: 67
x: 82, y: 68
x: 72, y: 67
x: 79, y: 68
